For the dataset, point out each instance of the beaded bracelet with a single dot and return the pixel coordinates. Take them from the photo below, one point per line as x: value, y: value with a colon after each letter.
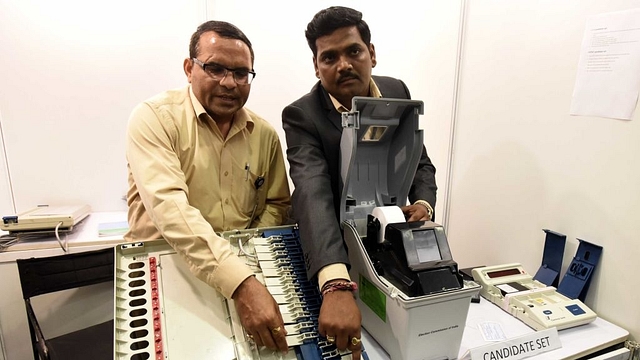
x: 427, y: 205
x: 339, y: 285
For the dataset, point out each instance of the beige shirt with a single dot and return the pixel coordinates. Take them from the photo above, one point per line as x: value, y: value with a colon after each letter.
x: 186, y: 182
x: 339, y: 270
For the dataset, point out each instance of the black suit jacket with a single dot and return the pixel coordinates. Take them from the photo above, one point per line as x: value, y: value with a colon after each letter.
x: 313, y: 130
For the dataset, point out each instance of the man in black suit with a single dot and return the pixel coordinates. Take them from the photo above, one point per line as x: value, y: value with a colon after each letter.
x: 343, y: 57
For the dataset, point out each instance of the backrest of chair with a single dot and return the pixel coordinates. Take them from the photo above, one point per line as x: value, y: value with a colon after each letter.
x: 56, y: 273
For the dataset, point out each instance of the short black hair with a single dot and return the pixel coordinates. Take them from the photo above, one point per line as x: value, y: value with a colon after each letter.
x: 333, y: 18
x: 222, y: 28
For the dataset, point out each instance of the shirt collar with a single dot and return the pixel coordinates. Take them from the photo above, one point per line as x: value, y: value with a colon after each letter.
x: 373, y: 92
x: 241, y: 120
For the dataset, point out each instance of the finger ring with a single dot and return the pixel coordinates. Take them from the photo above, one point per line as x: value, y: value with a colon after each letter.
x: 355, y: 341
x: 275, y: 330
x: 331, y: 339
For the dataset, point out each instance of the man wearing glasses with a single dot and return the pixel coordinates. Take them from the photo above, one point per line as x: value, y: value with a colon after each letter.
x: 343, y: 57
x: 199, y: 162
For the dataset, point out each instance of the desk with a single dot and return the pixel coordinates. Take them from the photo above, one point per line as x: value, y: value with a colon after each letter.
x: 14, y: 329
x: 84, y: 234
x: 576, y: 342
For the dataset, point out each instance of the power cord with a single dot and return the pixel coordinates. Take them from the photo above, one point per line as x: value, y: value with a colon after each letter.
x: 7, y: 240
x: 65, y: 246
x: 245, y: 251
x: 11, y: 239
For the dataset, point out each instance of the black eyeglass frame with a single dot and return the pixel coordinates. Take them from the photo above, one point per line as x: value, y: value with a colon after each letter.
x: 251, y: 75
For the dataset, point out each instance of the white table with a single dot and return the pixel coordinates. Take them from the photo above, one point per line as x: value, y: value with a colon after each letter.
x: 576, y: 342
x: 14, y: 328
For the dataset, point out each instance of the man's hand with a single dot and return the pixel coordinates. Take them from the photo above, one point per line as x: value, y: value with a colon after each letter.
x: 340, y: 321
x: 260, y: 315
x: 415, y: 212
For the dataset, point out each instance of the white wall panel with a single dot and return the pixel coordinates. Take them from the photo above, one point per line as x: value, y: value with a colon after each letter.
x: 71, y: 73
x: 414, y: 41
x: 522, y: 163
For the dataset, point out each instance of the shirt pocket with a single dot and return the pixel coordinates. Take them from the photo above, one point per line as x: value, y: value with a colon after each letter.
x: 246, y: 191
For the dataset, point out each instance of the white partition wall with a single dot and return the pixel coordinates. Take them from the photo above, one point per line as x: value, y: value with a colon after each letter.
x: 523, y: 164
x: 75, y: 71
x: 71, y: 73
x: 414, y: 41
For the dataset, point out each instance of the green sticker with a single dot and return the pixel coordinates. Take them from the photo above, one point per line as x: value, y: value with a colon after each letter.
x: 373, y: 298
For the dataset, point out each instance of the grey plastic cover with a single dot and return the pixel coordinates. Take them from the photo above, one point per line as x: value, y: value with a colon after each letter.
x: 380, y: 148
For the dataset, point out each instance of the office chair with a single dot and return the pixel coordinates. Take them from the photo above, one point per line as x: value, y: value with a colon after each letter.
x: 40, y: 276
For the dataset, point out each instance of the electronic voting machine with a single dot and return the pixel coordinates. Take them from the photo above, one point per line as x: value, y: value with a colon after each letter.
x: 540, y: 306
x: 412, y: 298
x: 163, y: 312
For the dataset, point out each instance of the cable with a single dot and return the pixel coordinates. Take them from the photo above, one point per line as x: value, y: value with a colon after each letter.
x: 244, y: 251
x: 65, y: 246
x: 8, y: 240
x: 13, y: 238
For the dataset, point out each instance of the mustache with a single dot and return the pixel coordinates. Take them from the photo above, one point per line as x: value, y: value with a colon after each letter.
x: 231, y: 94
x: 347, y: 76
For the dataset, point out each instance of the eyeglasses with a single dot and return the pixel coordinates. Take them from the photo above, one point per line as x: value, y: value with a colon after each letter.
x: 219, y: 72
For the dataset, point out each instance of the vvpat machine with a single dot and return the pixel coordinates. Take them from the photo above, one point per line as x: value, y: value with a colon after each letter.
x: 413, y: 300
